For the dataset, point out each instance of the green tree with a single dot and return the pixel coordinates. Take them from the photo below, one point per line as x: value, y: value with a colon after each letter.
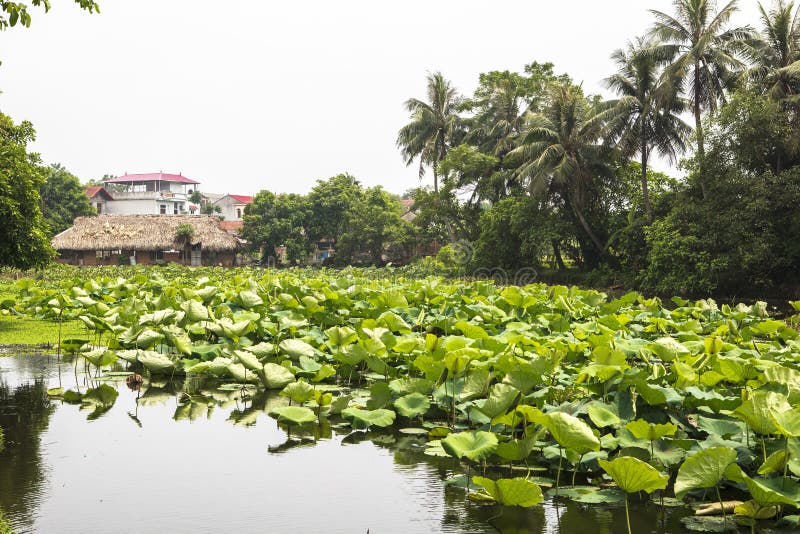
x: 433, y: 127
x: 274, y: 220
x: 63, y: 199
x: 330, y: 202
x: 24, y: 239
x: 775, y: 51
x: 649, y: 111
x: 701, y: 50
x: 560, y: 153
x: 374, y: 228
x: 13, y: 12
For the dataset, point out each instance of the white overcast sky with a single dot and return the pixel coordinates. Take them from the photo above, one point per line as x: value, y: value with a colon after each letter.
x: 244, y: 95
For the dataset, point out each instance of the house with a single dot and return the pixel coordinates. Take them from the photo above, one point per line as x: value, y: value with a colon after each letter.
x: 99, y: 198
x: 147, y: 194
x: 145, y: 239
x: 233, y: 206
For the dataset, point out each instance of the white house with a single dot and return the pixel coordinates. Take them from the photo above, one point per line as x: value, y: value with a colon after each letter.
x: 233, y: 206
x: 144, y: 194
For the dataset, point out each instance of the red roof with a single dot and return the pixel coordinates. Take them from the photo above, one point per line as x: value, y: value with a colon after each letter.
x: 244, y: 199
x: 231, y: 225
x: 94, y: 190
x: 150, y: 177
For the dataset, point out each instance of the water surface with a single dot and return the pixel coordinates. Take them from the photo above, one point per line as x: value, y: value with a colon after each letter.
x: 187, y: 456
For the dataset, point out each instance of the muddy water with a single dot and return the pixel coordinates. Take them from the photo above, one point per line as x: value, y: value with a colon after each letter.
x: 187, y: 456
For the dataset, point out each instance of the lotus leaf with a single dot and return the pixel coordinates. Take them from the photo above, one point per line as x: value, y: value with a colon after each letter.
x: 472, y: 445
x: 296, y: 348
x: 570, y: 432
x: 632, y: 474
x: 156, y: 363
x: 642, y: 429
x: 704, y: 469
x: 275, y: 376
x: 602, y: 416
x: 412, y: 405
x: 758, y: 411
x: 510, y: 491
x: 294, y: 414
x: 362, y: 419
x: 298, y: 392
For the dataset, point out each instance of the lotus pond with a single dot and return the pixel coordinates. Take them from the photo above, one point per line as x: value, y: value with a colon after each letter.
x: 337, y: 401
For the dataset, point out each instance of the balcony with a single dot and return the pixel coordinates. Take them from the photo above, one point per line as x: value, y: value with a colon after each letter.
x: 168, y: 196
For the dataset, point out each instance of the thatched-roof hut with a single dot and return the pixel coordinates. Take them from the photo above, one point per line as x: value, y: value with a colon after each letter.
x: 114, y: 239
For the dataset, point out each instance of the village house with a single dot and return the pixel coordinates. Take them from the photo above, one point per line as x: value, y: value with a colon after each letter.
x: 144, y: 194
x: 233, y: 206
x: 146, y: 239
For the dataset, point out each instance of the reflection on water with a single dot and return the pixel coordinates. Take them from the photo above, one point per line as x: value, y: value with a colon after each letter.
x: 199, y: 456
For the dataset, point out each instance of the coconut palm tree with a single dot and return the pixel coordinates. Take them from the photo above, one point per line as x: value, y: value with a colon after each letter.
x: 775, y: 51
x: 648, y: 110
x: 701, y: 50
x: 433, y: 126
x: 560, y: 150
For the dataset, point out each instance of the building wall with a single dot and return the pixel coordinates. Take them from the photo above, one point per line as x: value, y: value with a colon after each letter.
x: 229, y: 208
x: 143, y: 207
x: 89, y: 258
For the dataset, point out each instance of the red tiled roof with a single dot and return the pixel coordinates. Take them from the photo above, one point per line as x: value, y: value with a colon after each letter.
x: 152, y: 176
x: 231, y: 225
x: 244, y: 199
x: 94, y: 190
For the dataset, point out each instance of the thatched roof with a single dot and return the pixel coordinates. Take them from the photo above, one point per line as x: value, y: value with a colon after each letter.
x: 142, y: 232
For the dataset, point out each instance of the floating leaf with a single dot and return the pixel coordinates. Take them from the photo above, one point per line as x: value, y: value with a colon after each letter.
x: 632, y: 474
x: 510, y: 491
x: 412, y: 405
x: 367, y: 418
x: 472, y: 445
x: 294, y: 414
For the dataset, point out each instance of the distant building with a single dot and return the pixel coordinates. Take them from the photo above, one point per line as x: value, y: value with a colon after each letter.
x: 145, y: 239
x: 232, y: 206
x: 144, y: 194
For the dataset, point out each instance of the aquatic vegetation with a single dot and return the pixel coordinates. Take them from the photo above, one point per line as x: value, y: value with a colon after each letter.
x: 497, y: 378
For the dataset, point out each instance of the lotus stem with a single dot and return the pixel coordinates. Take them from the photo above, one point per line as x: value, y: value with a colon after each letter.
x: 575, y: 471
x: 558, y: 473
x: 721, y: 506
x: 764, y: 447
x: 627, y: 514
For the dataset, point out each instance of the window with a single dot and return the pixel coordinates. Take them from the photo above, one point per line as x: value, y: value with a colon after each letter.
x: 175, y: 208
x: 103, y: 254
x: 157, y: 255
x: 238, y: 213
x: 99, y: 208
x: 163, y: 209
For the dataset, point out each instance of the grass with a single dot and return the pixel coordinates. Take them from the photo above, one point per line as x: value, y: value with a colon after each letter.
x: 5, y: 528
x: 24, y: 330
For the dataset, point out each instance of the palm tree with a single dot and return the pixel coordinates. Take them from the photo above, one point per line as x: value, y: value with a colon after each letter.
x: 433, y: 126
x: 560, y: 150
x: 701, y: 51
x: 775, y: 51
x: 648, y: 112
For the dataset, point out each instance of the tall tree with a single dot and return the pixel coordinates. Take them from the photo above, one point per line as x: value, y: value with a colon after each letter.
x: 274, y: 220
x: 13, y: 12
x: 701, y: 49
x: 560, y: 150
x: 433, y: 127
x: 63, y: 199
x: 649, y: 111
x: 775, y: 51
x: 330, y: 202
x: 24, y: 239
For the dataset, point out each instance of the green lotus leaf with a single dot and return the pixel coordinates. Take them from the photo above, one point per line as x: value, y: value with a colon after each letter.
x: 476, y: 384
x: 100, y: 357
x: 262, y: 349
x: 472, y: 445
x: 754, y: 510
x: 103, y: 395
x: 501, y: 398
x: 516, y: 450
x: 206, y: 351
x: 367, y: 418
x: 759, y: 409
x: 772, y: 492
x: 298, y: 415
x: 155, y: 362
x: 642, y: 429
x: 194, y: 311
x: 774, y: 463
x: 511, y: 491
x: 147, y: 338
x: 704, y: 469
x: 592, y: 495
x: 250, y: 299
x: 275, y: 376
x: 571, y: 433
x: 632, y: 474
x: 787, y: 423
x: 667, y: 348
x: 412, y: 405
x: 339, y: 336
x: 404, y: 386
x: 248, y: 359
x: 720, y: 427
x: 602, y: 416
x: 298, y: 392
x: 296, y: 348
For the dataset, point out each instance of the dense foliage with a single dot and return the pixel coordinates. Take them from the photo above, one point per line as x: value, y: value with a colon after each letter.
x: 675, y: 400
x: 63, y: 199
x: 533, y: 172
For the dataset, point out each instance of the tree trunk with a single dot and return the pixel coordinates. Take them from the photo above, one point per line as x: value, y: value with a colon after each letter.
x: 698, y: 124
x: 648, y: 211
x: 588, y: 229
x: 557, y: 254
